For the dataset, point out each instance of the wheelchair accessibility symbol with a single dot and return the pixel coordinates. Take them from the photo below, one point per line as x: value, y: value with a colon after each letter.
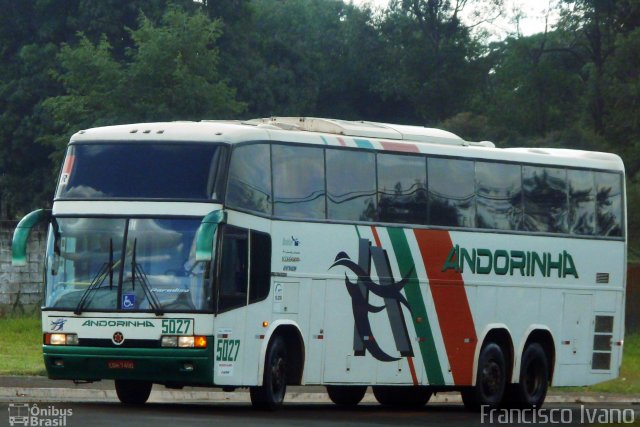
x: 128, y: 301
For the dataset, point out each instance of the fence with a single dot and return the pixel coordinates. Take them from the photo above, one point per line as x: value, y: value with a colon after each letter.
x: 21, y: 287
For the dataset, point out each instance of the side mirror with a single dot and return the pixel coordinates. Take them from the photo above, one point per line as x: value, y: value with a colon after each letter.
x: 22, y: 232
x: 206, y: 234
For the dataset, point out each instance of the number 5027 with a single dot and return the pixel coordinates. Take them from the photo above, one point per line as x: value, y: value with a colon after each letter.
x: 227, y: 350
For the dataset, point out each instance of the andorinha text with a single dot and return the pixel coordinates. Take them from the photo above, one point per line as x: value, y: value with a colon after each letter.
x: 502, y: 262
x: 123, y: 323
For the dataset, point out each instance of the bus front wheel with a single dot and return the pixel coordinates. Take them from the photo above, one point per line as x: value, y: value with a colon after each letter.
x: 402, y: 397
x: 270, y: 394
x: 490, y: 380
x: 346, y: 395
x: 132, y: 392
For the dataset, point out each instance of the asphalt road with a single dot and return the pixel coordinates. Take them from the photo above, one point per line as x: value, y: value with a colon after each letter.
x: 62, y: 403
x: 82, y: 414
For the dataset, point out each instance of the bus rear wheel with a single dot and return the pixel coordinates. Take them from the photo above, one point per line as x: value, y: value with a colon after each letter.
x: 131, y: 392
x: 346, y: 395
x: 402, y: 397
x: 490, y: 380
x: 531, y: 389
x: 270, y: 395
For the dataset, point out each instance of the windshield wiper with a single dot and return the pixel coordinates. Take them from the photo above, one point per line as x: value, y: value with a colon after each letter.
x: 136, y: 270
x: 105, y: 269
x: 95, y: 283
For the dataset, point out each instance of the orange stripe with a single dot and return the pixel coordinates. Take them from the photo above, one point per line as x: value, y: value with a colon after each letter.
x: 452, y: 305
x: 68, y: 164
x: 412, y: 369
x: 341, y: 141
x: 376, y: 237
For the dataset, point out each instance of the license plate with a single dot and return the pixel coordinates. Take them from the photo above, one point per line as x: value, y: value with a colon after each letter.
x: 120, y: 364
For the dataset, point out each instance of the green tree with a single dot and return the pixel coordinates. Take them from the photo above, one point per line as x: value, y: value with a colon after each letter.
x: 534, y: 85
x: 170, y: 73
x: 31, y: 32
x: 594, y: 26
x: 429, y: 69
x: 315, y: 57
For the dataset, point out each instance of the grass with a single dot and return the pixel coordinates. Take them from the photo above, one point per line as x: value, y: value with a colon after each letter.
x: 21, y: 346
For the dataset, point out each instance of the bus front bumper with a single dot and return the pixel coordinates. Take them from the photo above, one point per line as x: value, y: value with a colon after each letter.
x: 176, y: 366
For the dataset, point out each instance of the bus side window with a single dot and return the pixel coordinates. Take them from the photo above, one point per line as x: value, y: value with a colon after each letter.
x: 260, y: 274
x: 499, y: 196
x: 545, y: 199
x: 609, y: 204
x: 232, y: 289
x: 250, y: 179
x: 402, y: 189
x: 298, y: 182
x: 351, y: 185
x: 582, y: 202
x: 451, y: 192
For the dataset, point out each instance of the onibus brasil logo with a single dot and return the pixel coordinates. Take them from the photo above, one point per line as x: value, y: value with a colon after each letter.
x: 26, y: 414
x: 387, y: 289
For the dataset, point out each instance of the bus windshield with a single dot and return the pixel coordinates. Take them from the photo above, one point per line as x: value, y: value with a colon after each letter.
x: 133, y: 170
x: 141, y: 264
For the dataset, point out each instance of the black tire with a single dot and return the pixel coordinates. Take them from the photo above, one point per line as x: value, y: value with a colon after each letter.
x: 270, y: 395
x: 412, y: 397
x: 491, y: 380
x: 533, y: 384
x: 346, y: 395
x: 132, y: 392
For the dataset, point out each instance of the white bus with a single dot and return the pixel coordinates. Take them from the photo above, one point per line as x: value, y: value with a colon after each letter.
x: 305, y: 251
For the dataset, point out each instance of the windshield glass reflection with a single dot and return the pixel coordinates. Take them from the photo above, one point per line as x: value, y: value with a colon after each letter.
x: 157, y: 272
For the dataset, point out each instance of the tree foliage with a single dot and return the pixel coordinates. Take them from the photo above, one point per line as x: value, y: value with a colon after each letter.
x: 170, y: 72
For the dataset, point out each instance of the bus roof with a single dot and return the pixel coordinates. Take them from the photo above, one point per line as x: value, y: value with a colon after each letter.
x: 355, y: 134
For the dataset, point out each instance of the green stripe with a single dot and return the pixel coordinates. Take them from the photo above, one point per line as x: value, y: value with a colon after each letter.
x: 418, y: 309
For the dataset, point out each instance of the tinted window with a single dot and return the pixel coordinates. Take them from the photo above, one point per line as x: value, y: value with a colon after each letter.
x: 351, y: 185
x: 298, y: 182
x: 545, y: 199
x: 250, y: 178
x: 582, y: 202
x: 140, y: 170
x: 260, y: 274
x: 499, y: 192
x: 402, y: 189
x: 451, y: 192
x: 609, y: 204
x: 232, y: 288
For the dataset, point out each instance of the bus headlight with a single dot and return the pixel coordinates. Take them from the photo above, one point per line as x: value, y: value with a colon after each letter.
x: 169, y: 341
x: 183, y: 341
x: 61, y: 339
x: 186, y: 341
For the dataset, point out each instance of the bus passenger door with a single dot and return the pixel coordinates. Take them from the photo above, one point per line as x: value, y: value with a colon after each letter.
x: 233, y: 278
